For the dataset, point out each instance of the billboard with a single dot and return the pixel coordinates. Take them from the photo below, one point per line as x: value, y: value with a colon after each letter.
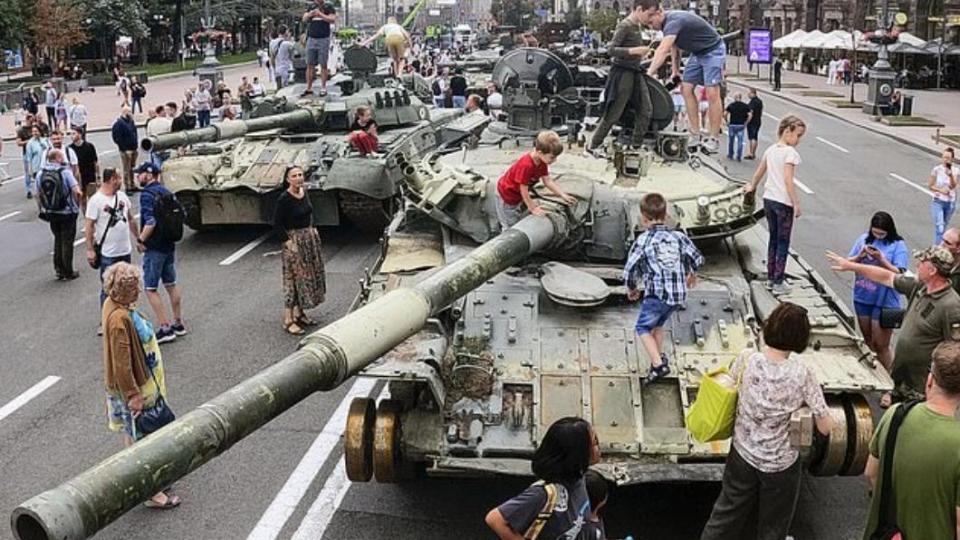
x: 760, y: 45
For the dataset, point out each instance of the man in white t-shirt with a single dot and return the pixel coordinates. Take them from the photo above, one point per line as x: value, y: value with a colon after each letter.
x: 69, y: 156
x: 109, y: 222
x: 284, y: 57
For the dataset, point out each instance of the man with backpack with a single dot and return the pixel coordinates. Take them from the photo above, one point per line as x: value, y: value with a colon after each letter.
x: 58, y: 199
x: 161, y: 220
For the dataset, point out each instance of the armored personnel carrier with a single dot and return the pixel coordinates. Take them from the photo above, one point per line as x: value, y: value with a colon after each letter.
x: 484, y: 337
x: 231, y: 172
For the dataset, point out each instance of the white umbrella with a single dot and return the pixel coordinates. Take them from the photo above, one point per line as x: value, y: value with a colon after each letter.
x: 789, y: 41
x: 910, y: 39
x: 811, y: 40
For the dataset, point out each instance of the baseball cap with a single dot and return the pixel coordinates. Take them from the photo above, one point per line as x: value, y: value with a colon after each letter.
x: 939, y: 257
x: 148, y: 168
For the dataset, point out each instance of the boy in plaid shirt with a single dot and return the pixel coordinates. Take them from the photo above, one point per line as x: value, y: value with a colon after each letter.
x: 666, y: 261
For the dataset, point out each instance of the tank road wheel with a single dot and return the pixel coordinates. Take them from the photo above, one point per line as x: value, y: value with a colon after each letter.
x: 859, y: 433
x: 833, y: 452
x: 386, y: 442
x: 358, y: 440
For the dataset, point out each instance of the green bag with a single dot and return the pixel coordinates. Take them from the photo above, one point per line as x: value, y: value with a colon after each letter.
x: 712, y: 415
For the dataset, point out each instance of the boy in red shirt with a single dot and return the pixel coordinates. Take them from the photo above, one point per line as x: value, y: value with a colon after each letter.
x: 514, y: 186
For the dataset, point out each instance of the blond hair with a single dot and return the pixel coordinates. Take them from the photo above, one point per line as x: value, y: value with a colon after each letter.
x: 790, y: 122
x: 548, y: 142
x: 122, y: 282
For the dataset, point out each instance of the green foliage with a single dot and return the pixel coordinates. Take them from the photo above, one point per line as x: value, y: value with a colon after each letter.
x: 11, y: 22
x: 519, y: 13
x: 603, y: 21
x: 117, y: 18
x: 574, y: 18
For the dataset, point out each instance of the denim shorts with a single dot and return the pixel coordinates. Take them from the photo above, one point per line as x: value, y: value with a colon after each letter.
x: 318, y: 51
x: 866, y: 310
x: 158, y: 267
x: 654, y: 313
x: 706, y: 68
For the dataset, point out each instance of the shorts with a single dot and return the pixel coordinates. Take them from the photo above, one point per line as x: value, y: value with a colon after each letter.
x: 753, y: 131
x: 654, y: 313
x: 867, y: 310
x: 318, y: 51
x: 396, y: 45
x: 158, y: 267
x: 706, y: 68
x: 678, y: 108
x: 703, y: 106
x: 508, y: 214
x: 89, y: 190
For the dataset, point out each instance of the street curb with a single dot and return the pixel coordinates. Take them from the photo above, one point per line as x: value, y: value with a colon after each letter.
x: 101, y: 129
x: 928, y: 149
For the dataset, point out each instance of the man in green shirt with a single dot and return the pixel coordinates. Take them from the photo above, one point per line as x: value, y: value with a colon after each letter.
x: 932, y: 314
x: 926, y: 460
x: 951, y: 241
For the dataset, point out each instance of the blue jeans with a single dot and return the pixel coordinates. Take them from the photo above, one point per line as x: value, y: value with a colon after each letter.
x: 203, y: 118
x: 107, y: 262
x: 941, y: 211
x: 27, y: 177
x: 459, y: 102
x: 735, y: 137
x: 780, y: 224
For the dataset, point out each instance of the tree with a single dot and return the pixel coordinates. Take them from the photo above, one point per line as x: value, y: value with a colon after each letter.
x: 519, y: 13
x: 574, y: 18
x: 56, y: 25
x: 603, y: 21
x: 11, y: 23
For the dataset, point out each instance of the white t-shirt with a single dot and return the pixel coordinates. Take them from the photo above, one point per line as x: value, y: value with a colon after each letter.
x: 159, y: 126
x: 69, y: 156
x: 78, y: 115
x: 940, y: 173
x: 99, y: 209
x: 777, y: 157
x: 284, y: 56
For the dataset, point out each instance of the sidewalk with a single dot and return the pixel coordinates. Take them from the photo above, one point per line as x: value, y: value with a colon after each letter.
x: 940, y: 106
x: 103, y: 105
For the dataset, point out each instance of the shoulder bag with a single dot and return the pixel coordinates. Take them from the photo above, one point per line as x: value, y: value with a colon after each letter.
x: 153, y: 418
x: 887, y: 528
x: 98, y: 246
x: 713, y: 414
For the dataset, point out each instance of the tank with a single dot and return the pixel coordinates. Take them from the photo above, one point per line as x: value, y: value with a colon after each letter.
x: 485, y: 337
x: 231, y: 172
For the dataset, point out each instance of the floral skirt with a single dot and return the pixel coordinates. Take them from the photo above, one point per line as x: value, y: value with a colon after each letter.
x: 304, y: 279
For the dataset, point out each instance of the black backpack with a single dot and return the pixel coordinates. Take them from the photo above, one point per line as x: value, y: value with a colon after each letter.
x: 435, y: 87
x: 169, y: 215
x: 51, y: 191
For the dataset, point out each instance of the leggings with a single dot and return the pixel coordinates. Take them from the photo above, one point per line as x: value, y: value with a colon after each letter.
x: 780, y: 224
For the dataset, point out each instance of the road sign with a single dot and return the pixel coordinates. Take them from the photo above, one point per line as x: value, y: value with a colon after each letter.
x: 760, y: 45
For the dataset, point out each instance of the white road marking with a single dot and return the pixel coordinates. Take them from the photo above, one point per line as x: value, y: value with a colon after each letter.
x: 245, y: 249
x: 290, y: 495
x: 321, y: 512
x: 912, y: 184
x: 834, y: 145
x: 108, y: 152
x: 25, y: 397
x: 803, y: 187
x: 10, y: 215
x: 772, y: 117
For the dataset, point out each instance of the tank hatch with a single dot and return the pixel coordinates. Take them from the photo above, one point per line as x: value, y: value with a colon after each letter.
x: 568, y: 286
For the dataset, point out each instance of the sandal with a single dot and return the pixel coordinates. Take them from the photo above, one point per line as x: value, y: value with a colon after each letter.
x: 172, y: 501
x: 294, y: 329
x: 658, y: 372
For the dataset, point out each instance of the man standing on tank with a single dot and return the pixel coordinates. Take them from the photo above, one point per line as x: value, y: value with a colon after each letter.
x: 318, y: 22
x: 687, y: 31
x: 626, y: 81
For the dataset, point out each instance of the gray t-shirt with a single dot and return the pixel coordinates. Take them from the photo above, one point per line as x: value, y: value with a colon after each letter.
x: 569, y: 512
x: 694, y: 34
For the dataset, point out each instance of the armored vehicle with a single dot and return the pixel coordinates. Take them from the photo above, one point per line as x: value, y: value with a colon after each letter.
x: 484, y: 337
x: 231, y: 172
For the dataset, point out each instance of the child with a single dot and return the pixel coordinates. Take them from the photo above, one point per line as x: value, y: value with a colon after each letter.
x: 556, y: 506
x: 665, y: 260
x: 781, y: 203
x: 363, y: 132
x: 598, y: 490
x: 514, y: 186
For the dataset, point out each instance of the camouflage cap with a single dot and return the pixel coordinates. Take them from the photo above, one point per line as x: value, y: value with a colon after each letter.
x: 940, y: 257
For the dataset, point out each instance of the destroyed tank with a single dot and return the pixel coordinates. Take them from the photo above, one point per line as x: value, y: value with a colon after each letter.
x: 485, y: 337
x: 231, y: 172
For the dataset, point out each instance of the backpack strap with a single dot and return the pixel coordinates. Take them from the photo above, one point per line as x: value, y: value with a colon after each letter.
x: 545, y: 513
x: 886, y: 517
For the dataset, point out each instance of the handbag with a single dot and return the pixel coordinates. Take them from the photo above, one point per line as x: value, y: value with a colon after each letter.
x: 153, y: 418
x: 712, y: 415
x: 98, y: 246
x: 887, y: 529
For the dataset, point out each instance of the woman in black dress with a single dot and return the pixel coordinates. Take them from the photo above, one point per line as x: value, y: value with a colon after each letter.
x: 304, y: 284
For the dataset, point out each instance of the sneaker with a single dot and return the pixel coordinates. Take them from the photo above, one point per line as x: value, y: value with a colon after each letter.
x: 165, y: 335
x: 710, y: 145
x: 780, y: 289
x: 658, y: 372
x: 29, y: 195
x: 178, y: 328
x: 100, y: 330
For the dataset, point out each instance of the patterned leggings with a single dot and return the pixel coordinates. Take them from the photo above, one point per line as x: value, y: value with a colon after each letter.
x: 780, y: 224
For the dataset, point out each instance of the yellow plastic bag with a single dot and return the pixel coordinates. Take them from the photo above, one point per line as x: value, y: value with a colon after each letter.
x: 712, y: 415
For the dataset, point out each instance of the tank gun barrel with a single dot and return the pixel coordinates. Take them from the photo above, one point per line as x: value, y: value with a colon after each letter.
x: 227, y: 130
x: 82, y: 506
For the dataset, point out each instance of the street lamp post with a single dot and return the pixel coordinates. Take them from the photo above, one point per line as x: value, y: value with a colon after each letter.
x: 880, y: 89
x: 209, y: 69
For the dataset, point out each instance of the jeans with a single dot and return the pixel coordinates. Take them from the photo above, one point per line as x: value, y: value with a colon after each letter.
x: 735, y: 137
x: 203, y: 118
x: 459, y: 102
x: 64, y: 229
x: 780, y: 224
x: 438, y: 102
x: 749, y: 492
x: 107, y: 262
x: 941, y: 211
x: 137, y: 102
x: 27, y: 176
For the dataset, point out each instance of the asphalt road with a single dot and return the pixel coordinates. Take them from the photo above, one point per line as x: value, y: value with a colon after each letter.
x: 283, y: 481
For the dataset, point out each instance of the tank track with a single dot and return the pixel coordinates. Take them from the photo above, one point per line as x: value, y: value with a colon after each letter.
x: 191, y: 209
x: 366, y: 213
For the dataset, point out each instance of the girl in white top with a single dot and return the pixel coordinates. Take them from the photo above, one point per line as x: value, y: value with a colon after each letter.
x: 780, y: 200
x: 397, y: 40
x: 943, y: 184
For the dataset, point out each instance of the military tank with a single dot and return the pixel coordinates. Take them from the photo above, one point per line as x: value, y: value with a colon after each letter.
x: 484, y: 337
x: 231, y: 172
